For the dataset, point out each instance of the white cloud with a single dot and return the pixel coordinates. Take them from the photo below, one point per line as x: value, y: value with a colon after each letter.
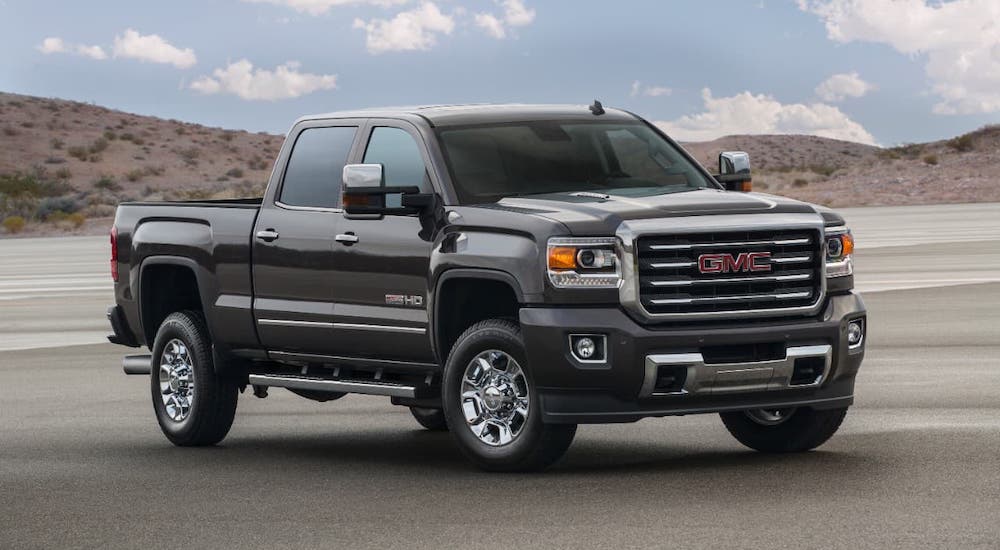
x: 746, y: 113
x: 491, y: 24
x: 58, y: 45
x: 284, y: 82
x: 154, y: 49
x: 319, y: 7
x: 515, y: 14
x: 842, y: 86
x: 649, y: 91
x: 416, y: 29
x: 959, y: 39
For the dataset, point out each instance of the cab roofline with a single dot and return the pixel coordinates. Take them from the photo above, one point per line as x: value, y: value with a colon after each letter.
x: 460, y: 115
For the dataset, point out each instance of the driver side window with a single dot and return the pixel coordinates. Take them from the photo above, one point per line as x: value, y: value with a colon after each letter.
x: 399, y: 154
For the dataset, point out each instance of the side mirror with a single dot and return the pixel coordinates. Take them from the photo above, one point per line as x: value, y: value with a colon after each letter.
x: 364, y: 192
x: 734, y: 171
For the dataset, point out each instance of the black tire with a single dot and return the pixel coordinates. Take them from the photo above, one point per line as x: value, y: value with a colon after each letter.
x: 320, y: 396
x: 213, y: 403
x: 538, y: 445
x: 432, y: 419
x: 804, y: 430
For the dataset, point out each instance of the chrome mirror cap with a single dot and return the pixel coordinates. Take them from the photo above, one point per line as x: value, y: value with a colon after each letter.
x: 734, y: 163
x: 363, y: 175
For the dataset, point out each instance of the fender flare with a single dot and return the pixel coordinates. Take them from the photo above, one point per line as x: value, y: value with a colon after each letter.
x: 434, y: 304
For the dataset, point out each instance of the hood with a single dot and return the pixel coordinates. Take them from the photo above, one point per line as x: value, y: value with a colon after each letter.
x: 596, y: 213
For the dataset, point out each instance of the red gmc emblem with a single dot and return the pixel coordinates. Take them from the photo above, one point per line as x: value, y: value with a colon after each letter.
x: 727, y: 263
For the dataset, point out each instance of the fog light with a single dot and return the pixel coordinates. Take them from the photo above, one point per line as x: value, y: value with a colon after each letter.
x: 855, y: 333
x: 588, y: 348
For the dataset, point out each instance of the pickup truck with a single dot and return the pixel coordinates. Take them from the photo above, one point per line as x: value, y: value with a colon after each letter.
x: 506, y: 272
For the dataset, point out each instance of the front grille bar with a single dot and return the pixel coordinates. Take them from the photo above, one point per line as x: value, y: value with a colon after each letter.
x: 738, y: 298
x: 777, y: 242
x: 733, y: 280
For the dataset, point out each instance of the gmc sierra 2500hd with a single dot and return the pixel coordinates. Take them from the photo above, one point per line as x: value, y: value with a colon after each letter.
x: 507, y: 273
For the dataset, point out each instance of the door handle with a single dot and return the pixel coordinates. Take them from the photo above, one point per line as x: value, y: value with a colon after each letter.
x: 346, y: 239
x: 267, y: 235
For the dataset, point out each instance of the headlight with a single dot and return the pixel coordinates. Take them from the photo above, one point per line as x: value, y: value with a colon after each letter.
x: 839, y: 247
x: 591, y: 262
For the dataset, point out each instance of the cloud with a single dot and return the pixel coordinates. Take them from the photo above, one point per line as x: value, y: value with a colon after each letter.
x: 959, y: 39
x: 491, y: 24
x: 284, y: 82
x: 58, y: 45
x: 650, y: 91
x: 515, y: 14
x: 319, y: 7
x: 746, y: 113
x: 842, y: 86
x: 416, y: 29
x: 154, y: 49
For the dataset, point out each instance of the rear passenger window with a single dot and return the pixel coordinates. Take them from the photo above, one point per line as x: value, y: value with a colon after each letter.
x: 315, y: 169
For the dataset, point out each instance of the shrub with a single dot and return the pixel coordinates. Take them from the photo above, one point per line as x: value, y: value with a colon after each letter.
x: 800, y: 182
x: 51, y: 205
x: 257, y: 163
x: 962, y: 144
x: 154, y: 170
x: 10, y: 132
x: 13, y: 224
x: 235, y: 173
x: 63, y: 173
x: 189, y: 155
x: 55, y: 160
x: 76, y: 219
x: 135, y: 175
x: 28, y: 125
x: 106, y: 183
x: 78, y: 153
x: 931, y: 160
x: 823, y: 170
x: 110, y: 136
x: 99, y: 145
x: 57, y: 143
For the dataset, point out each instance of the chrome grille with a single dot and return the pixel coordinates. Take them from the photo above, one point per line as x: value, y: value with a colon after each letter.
x: 670, y: 281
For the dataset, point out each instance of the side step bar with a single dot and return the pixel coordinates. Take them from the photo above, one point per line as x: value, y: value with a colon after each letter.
x: 319, y: 384
x: 137, y: 364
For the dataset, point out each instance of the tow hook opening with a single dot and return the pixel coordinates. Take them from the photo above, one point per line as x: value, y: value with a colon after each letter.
x: 807, y: 370
x: 670, y: 379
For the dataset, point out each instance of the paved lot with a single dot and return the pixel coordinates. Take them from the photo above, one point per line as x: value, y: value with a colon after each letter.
x: 917, y: 463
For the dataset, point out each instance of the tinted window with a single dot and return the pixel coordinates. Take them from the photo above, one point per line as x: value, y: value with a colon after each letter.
x: 316, y: 168
x: 490, y: 162
x: 399, y: 155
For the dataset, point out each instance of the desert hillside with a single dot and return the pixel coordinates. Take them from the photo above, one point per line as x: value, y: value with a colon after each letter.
x: 64, y: 165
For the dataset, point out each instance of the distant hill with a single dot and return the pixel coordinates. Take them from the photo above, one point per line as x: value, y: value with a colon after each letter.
x: 64, y: 165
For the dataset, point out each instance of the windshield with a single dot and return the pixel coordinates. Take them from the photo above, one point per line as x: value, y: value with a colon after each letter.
x: 490, y: 162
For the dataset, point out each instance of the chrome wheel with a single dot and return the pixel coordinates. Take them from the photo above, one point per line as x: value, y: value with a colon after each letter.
x: 176, y: 380
x: 770, y: 417
x: 495, y: 398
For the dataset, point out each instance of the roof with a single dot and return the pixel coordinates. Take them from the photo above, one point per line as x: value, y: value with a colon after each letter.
x: 456, y: 115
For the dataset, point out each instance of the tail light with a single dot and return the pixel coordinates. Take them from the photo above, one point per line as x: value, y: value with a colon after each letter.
x: 114, y: 254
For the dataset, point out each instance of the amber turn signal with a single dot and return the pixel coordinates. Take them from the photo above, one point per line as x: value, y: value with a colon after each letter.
x: 562, y: 257
x: 848, y: 244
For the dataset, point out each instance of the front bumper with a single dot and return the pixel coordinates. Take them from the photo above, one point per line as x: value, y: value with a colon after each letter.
x: 620, y: 389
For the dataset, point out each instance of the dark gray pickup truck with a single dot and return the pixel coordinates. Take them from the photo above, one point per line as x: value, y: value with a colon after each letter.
x: 507, y: 273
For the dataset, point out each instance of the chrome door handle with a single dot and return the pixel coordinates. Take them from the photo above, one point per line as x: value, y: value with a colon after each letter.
x: 267, y: 235
x: 346, y: 238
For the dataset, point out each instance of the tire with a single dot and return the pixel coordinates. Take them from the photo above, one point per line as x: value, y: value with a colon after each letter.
x: 530, y: 444
x: 320, y: 396
x: 801, y: 430
x: 211, y: 399
x: 432, y: 419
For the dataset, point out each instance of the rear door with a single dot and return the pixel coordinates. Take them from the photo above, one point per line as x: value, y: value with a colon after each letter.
x: 294, y: 238
x: 381, y: 279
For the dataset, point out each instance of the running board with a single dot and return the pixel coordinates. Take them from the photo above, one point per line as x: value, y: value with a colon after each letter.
x: 320, y: 384
x: 137, y: 364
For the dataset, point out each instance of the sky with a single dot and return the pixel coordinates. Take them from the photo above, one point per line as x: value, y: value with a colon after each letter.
x: 883, y: 72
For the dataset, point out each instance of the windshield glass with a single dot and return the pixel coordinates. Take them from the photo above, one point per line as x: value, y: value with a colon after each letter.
x: 490, y: 162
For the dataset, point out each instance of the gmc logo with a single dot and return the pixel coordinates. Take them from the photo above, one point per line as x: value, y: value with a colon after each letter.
x: 727, y: 263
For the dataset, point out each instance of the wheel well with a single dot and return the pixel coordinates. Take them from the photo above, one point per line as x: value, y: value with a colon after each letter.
x: 166, y: 289
x: 463, y: 302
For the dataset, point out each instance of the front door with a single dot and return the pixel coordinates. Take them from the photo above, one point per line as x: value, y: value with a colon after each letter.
x: 294, y: 242
x: 381, y: 279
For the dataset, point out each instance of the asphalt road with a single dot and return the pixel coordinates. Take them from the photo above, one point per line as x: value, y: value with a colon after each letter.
x: 916, y: 464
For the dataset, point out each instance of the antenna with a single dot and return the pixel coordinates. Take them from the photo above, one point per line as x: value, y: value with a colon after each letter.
x: 597, y: 108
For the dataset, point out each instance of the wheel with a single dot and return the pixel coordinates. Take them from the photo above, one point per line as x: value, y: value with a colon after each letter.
x: 432, y: 419
x: 193, y: 405
x: 784, y: 430
x: 491, y: 405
